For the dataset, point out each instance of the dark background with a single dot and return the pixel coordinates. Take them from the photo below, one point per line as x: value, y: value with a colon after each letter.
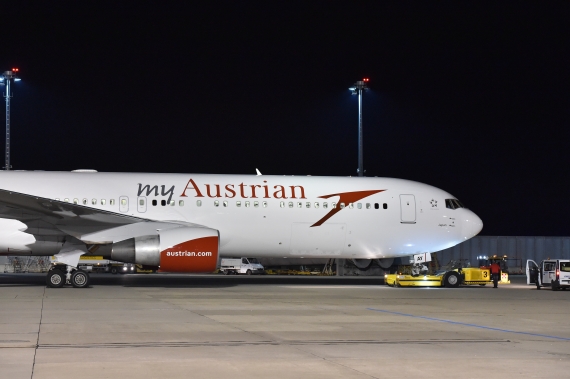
x: 471, y: 97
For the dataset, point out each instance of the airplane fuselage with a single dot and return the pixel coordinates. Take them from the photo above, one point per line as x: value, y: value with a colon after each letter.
x: 271, y: 216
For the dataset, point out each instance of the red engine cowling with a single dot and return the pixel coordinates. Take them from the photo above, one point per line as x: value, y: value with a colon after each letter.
x: 173, y: 250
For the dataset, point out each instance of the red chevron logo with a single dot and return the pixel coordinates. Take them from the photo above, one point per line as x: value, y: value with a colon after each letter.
x: 346, y: 198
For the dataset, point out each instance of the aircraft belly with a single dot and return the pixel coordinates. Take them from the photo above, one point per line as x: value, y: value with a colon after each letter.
x: 326, y: 240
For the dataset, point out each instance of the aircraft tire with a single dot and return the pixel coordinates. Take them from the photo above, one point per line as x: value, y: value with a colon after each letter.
x: 80, y: 279
x: 55, y: 279
x: 451, y: 280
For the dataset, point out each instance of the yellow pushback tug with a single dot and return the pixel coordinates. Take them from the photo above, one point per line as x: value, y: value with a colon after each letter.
x: 452, y: 275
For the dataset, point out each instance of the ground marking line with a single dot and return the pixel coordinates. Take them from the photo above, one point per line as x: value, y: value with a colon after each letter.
x: 39, y: 330
x: 471, y: 325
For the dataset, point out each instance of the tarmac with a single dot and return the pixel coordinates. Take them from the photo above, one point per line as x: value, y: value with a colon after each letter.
x: 177, y: 326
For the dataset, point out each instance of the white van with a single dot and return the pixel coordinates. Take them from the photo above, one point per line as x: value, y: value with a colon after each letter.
x: 248, y: 266
x: 554, y: 273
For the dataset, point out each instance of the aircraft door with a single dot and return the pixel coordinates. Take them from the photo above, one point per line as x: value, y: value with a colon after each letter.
x: 141, y: 204
x: 408, y: 209
x: 123, y: 204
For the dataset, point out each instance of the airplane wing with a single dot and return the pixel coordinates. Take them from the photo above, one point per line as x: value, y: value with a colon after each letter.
x: 47, y: 217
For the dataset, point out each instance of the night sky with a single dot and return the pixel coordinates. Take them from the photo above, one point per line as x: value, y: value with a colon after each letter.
x: 471, y: 97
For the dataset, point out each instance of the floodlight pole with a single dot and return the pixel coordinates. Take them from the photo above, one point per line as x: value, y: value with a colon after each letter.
x: 7, y: 78
x: 360, y: 86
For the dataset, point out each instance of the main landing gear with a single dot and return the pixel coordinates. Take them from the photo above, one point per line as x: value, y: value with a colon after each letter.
x: 59, y: 275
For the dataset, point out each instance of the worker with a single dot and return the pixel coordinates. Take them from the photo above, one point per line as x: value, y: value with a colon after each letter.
x: 495, y: 273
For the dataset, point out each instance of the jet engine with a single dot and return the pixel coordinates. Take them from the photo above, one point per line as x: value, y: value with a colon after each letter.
x: 173, y: 250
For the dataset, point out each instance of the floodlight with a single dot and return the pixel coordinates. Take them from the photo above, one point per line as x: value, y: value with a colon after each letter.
x: 357, y: 89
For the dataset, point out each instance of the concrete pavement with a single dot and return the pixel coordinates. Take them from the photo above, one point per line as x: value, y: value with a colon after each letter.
x: 175, y: 326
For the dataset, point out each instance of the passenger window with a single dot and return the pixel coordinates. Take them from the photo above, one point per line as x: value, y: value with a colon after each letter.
x: 162, y: 202
x: 238, y: 203
x: 216, y: 203
x: 376, y: 206
x: 103, y: 201
x: 66, y: 200
x: 172, y: 203
x: 367, y: 205
x: 154, y: 202
x: 359, y: 206
x: 199, y: 203
x: 326, y: 205
x: 316, y: 205
x: 341, y: 205
x: 75, y: 201
x: 282, y: 204
x: 308, y: 205
x: 385, y: 206
x: 94, y: 201
x: 290, y: 204
x: 247, y: 204
x: 351, y: 205
x: 256, y: 204
x: 84, y: 201
x: 57, y: 199
x: 333, y: 205
x: 299, y: 205
x: 225, y: 203
x: 112, y: 202
x: 265, y: 204
x: 141, y: 202
x: 181, y: 203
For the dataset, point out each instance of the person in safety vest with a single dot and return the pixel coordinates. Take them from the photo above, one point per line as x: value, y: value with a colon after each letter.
x: 495, y: 273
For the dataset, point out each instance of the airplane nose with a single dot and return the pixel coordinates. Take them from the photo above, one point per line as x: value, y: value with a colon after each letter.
x: 471, y: 225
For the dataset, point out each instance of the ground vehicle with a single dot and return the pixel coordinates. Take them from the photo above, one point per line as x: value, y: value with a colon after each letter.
x: 452, y: 275
x: 94, y: 263
x: 553, y: 273
x: 127, y: 268
x: 242, y: 265
x: 443, y: 278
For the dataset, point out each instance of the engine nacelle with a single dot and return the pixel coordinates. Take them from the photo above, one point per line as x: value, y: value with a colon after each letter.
x: 174, y: 250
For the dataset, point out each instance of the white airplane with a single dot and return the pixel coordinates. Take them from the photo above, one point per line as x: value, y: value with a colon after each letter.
x: 186, y: 222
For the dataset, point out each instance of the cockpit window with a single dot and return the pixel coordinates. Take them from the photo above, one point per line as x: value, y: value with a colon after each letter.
x: 453, y: 204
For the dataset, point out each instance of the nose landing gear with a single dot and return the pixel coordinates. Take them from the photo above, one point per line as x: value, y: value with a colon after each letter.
x: 59, y: 275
